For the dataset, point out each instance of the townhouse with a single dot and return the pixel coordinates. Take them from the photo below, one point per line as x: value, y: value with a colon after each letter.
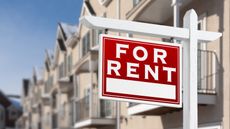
x: 66, y: 96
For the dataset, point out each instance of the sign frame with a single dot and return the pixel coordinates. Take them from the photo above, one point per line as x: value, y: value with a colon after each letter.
x: 100, y: 74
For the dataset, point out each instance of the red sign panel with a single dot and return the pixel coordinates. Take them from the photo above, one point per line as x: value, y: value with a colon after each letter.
x: 140, y: 71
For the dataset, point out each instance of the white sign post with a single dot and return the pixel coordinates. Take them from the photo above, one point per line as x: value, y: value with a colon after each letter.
x: 189, y: 35
x: 190, y: 99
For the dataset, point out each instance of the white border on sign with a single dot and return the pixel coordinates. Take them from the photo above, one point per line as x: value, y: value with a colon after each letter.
x: 131, y: 100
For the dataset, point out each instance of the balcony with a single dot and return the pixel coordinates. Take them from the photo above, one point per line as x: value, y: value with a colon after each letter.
x: 46, y: 99
x: 48, y: 86
x: 66, y: 84
x: 153, y: 11
x: 37, y: 98
x: 208, y: 71
x: 88, y: 61
x: 94, y: 112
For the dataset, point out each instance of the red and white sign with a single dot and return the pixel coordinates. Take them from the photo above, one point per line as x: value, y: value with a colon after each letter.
x: 140, y: 71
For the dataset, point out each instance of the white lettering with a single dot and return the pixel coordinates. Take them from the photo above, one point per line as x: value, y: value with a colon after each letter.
x: 131, y: 67
x: 115, y: 68
x: 144, y: 57
x: 119, y: 50
x: 148, y: 70
x: 160, y: 56
x: 169, y: 73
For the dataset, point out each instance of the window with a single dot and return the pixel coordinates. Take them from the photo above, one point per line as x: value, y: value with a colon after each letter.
x: 85, y: 44
x: 62, y: 110
x: 61, y: 70
x: 106, y: 108
x: 71, y: 111
x: 69, y: 63
x: 202, y: 26
x: 86, y: 94
x: 76, y: 84
x: 48, y: 119
x: 61, y: 44
x: 202, y: 56
x: 49, y: 84
x: 97, y: 38
x: 47, y: 66
x: 135, y: 2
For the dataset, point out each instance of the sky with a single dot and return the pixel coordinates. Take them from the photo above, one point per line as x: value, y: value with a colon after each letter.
x: 27, y: 28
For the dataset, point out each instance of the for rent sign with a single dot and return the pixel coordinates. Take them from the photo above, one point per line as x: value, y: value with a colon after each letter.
x: 140, y: 71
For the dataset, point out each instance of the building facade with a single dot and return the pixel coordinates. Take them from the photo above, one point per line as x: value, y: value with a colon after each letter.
x: 66, y: 94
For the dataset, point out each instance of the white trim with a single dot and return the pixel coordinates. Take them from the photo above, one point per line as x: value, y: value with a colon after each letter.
x: 86, y: 8
x: 89, y: 122
x: 206, y: 99
x: 141, y: 108
x: 145, y: 28
x: 214, y: 125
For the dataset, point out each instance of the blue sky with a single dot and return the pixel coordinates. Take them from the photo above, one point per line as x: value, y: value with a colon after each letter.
x: 27, y: 28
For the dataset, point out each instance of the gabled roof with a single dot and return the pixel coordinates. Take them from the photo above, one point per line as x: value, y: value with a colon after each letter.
x: 89, y: 7
x: 67, y: 30
x: 26, y: 84
x: 64, y: 33
x: 86, y: 7
x: 48, y: 59
x: 37, y: 75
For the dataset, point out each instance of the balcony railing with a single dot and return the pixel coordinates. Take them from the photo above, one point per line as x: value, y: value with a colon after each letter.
x: 82, y: 109
x: 71, y: 115
x: 100, y: 108
x: 54, y: 121
x: 207, y: 73
x: 37, y: 95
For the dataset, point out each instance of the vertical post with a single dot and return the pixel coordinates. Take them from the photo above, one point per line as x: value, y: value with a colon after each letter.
x: 176, y: 14
x: 91, y: 106
x: 190, y: 113
x: 73, y: 100
x: 117, y: 102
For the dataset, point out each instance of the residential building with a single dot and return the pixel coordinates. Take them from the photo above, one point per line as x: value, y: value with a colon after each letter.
x: 70, y: 80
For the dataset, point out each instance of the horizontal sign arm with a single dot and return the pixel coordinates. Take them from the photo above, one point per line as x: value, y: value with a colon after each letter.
x: 145, y: 28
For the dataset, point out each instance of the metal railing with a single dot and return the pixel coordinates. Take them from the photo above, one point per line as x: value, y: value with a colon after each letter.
x: 82, y: 109
x: 54, y: 121
x: 207, y: 72
x: 100, y: 108
x: 71, y: 114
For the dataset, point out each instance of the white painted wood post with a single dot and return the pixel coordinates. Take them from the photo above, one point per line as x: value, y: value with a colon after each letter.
x: 190, y: 120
